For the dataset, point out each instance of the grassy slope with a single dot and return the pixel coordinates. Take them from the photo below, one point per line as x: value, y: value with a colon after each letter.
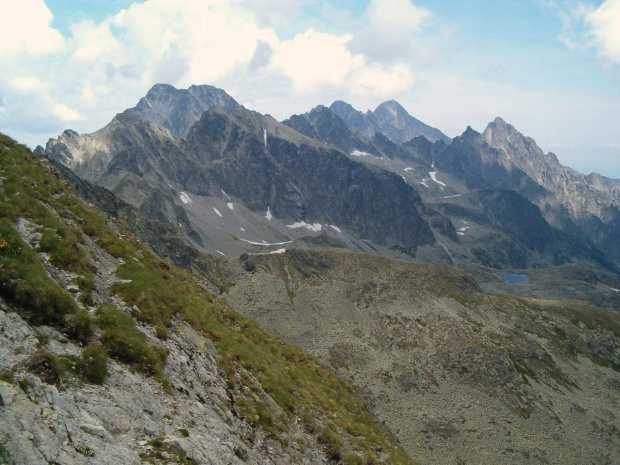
x: 300, y: 385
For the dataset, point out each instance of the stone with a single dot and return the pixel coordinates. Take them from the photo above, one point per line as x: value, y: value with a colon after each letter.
x: 95, y: 430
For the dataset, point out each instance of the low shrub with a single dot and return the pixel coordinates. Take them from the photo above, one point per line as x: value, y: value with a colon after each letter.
x: 80, y: 327
x: 332, y: 442
x: 125, y: 342
x: 46, y: 366
x: 94, y: 364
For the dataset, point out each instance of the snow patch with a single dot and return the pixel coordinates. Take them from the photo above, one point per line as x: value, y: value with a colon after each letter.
x: 268, y: 215
x: 221, y: 253
x: 614, y: 289
x: 451, y: 196
x: 423, y: 182
x: 464, y: 228
x: 269, y: 253
x: 408, y: 169
x: 264, y: 243
x: 148, y: 103
x: 265, y: 136
x: 217, y: 212
x: 227, y: 196
x: 230, y: 205
x: 241, y: 229
x: 460, y: 233
x: 185, y: 199
x: 335, y: 228
x: 403, y: 178
x: 316, y: 227
x: 357, y: 153
x: 433, y: 175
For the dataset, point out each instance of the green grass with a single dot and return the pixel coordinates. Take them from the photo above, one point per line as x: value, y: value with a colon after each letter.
x: 123, y: 341
x: 94, y: 364
x: 24, y: 282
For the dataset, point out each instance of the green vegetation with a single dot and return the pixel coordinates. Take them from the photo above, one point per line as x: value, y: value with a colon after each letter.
x: 24, y: 282
x: 124, y: 342
x: 294, y: 379
x: 79, y: 327
x: 332, y: 443
x: 46, y: 366
x: 94, y: 366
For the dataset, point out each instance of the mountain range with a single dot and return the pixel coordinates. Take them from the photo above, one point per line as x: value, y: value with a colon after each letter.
x: 199, y: 283
x: 230, y: 180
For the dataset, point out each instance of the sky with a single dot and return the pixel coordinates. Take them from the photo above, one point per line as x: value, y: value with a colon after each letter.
x: 551, y: 68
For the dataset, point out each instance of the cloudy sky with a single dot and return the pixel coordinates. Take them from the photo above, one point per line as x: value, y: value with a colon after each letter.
x: 549, y: 67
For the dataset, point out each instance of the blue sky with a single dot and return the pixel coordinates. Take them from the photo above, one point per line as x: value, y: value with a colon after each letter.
x: 551, y: 68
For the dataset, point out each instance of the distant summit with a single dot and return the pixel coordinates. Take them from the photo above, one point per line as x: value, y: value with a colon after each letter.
x: 389, y: 119
x: 179, y: 109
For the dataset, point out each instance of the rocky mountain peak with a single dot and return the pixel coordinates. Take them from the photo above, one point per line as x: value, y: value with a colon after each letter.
x: 179, y: 109
x: 340, y: 106
x: 391, y: 108
x: 498, y: 131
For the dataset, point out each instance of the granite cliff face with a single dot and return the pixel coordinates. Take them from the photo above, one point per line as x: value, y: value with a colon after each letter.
x: 325, y: 177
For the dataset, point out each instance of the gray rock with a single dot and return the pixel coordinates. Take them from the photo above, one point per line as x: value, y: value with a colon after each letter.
x: 96, y: 430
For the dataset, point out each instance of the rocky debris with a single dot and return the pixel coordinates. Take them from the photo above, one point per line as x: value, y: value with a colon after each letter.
x: 457, y: 375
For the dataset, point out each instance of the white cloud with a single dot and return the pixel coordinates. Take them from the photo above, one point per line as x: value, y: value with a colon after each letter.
x: 25, y: 83
x: 396, y: 16
x: 208, y: 39
x: 26, y: 29
x: 315, y: 59
x: 273, y: 13
x: 94, y: 42
x: 381, y: 81
x: 65, y: 113
x: 604, y: 24
x: 392, y: 32
x: 587, y: 27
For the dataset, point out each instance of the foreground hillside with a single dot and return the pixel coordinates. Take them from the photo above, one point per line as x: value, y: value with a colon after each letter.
x: 457, y: 374
x: 109, y: 354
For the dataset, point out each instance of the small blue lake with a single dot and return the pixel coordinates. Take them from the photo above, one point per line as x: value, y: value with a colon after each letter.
x: 513, y: 278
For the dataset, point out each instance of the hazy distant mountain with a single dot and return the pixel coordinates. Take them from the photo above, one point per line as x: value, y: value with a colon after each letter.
x: 503, y: 158
x: 390, y: 119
